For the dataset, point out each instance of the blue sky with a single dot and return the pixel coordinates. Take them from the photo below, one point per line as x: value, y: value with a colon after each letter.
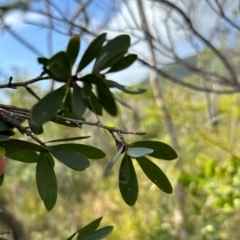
x: 14, y: 54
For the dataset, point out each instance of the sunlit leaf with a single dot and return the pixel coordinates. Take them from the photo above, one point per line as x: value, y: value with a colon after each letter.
x: 138, y: 152
x: 72, y: 159
x: 124, y: 88
x: 73, y: 49
x: 46, y: 180
x: 91, y: 227
x: 98, y: 234
x: 110, y: 51
x: 69, y: 139
x: 128, y: 183
x: 86, y: 150
x: 78, y: 104
x: 47, y: 107
x: 112, y: 162
x: 160, y: 150
x: 123, y: 63
x: 155, y: 174
x: 92, y: 51
x: 106, y: 98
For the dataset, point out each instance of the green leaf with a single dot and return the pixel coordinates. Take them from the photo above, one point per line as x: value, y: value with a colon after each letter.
x: 110, y: 51
x: 69, y: 139
x: 90, y: 78
x: 86, y: 150
x: 1, y: 179
x: 72, y: 159
x: 78, y: 103
x: 125, y: 89
x: 160, y: 150
x: 139, y: 152
x: 94, y: 105
x: 73, y: 49
x: 8, y: 133
x: 98, y: 234
x: 35, y: 127
x: 25, y: 145
x: 106, y: 98
x: 123, y: 63
x: 4, y: 126
x: 91, y: 52
x: 155, y: 174
x: 46, y: 180
x: 87, y: 229
x: 112, y: 162
x: 59, y: 67
x: 128, y: 183
x: 4, y: 138
x: 47, y: 107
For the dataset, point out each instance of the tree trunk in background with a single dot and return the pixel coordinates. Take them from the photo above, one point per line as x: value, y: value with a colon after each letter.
x: 160, y: 101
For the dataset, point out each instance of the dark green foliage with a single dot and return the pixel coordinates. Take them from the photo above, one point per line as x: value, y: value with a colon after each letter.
x: 46, y: 180
x: 46, y: 108
x: 128, y: 183
x: 155, y: 174
x: 90, y: 232
x: 67, y: 104
x: 92, y: 51
x: 72, y: 159
x: 73, y: 48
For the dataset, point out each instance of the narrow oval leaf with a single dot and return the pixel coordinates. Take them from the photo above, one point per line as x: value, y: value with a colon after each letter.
x: 46, y: 180
x: 128, y: 184
x: 25, y: 145
x: 98, y: 234
x: 110, y: 51
x: 8, y: 133
x: 86, y: 150
x: 1, y: 179
x: 138, y: 152
x: 160, y: 150
x: 72, y: 159
x: 92, y: 51
x: 125, y: 89
x: 111, y: 163
x: 78, y: 103
x: 94, y: 104
x: 91, y: 227
x: 123, y: 63
x: 69, y: 139
x: 155, y: 174
x: 47, y: 107
x: 73, y: 49
x: 106, y: 98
